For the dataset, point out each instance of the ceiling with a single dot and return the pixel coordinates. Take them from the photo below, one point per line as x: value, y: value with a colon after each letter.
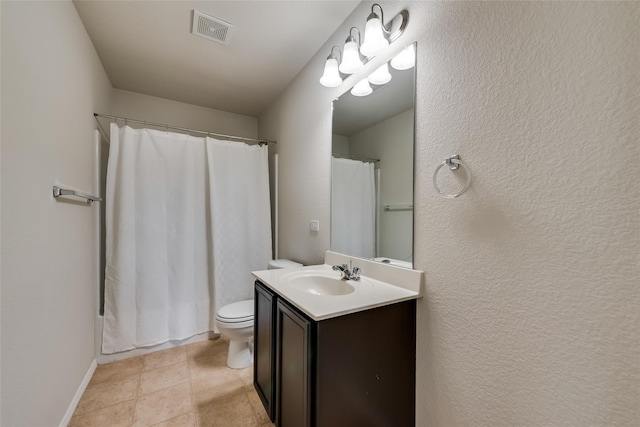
x: 147, y: 47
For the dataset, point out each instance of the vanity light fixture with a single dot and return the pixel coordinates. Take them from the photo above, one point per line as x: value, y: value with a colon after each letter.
x: 331, y: 76
x: 374, y: 39
x: 377, y: 36
x: 405, y: 59
x: 380, y: 76
x: 351, y: 61
x: 362, y: 88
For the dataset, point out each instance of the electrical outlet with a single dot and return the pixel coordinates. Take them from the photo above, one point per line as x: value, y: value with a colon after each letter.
x: 314, y: 225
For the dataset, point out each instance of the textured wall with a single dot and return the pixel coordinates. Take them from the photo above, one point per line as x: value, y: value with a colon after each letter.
x: 531, y: 315
x: 302, y: 128
x: 52, y: 82
x: 159, y: 110
x: 531, y: 312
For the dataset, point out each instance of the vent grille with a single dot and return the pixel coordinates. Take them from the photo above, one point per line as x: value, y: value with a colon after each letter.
x: 211, y: 28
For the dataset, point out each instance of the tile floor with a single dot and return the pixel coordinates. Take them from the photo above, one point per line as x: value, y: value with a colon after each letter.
x: 184, y: 386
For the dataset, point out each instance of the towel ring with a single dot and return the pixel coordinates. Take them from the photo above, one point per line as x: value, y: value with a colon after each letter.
x: 454, y: 163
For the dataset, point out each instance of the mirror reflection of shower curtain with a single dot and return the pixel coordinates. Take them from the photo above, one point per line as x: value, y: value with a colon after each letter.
x: 167, y: 252
x: 353, y: 207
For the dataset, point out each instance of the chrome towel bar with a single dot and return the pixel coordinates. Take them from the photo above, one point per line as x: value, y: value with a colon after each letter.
x: 57, y: 192
x: 399, y: 207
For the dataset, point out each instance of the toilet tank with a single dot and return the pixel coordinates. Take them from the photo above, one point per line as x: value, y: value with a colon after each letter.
x: 276, y: 264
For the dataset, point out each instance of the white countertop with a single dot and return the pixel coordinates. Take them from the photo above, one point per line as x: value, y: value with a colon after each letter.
x: 368, y: 292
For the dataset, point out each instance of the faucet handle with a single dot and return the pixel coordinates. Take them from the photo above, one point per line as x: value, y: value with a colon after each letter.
x: 343, y: 269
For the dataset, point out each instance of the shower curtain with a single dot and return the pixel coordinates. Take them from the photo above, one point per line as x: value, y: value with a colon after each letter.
x: 353, y: 207
x: 187, y: 220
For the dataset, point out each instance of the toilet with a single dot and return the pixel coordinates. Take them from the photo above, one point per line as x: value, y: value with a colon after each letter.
x: 235, y: 321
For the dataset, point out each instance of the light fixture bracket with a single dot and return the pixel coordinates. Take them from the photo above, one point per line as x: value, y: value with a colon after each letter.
x: 394, y: 28
x: 397, y: 25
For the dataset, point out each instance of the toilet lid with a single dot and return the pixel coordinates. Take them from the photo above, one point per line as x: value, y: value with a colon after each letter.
x: 236, y: 312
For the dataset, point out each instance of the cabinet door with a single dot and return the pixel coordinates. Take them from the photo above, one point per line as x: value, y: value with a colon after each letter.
x: 293, y: 365
x: 365, y: 368
x: 264, y: 347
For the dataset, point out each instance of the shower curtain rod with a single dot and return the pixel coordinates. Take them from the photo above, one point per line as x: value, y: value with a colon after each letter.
x: 348, y: 156
x: 145, y: 123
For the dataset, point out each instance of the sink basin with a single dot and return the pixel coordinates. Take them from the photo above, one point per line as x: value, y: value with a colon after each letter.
x: 318, y: 283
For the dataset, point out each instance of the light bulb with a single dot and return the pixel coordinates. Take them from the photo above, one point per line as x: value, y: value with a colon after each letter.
x: 405, y: 59
x: 351, y: 58
x: 331, y: 76
x: 374, y: 40
x: 380, y: 76
x: 361, y: 88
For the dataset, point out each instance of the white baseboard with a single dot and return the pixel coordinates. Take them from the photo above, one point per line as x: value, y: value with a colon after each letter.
x: 76, y: 399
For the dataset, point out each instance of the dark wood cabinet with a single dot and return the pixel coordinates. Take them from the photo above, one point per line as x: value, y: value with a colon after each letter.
x: 352, y: 370
x: 264, y: 374
x: 365, y: 368
x: 293, y: 367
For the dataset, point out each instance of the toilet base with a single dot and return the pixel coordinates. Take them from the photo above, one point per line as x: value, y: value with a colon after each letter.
x: 240, y: 354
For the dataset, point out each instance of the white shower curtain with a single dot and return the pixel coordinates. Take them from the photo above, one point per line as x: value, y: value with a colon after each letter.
x: 353, y: 207
x: 241, y: 216
x: 166, y: 264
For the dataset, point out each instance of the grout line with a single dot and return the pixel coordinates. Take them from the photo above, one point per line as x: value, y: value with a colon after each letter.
x: 247, y: 389
x: 103, y: 408
x: 135, y: 406
x: 193, y: 400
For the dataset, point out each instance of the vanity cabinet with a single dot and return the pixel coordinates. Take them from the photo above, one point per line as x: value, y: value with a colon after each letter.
x: 351, y: 370
x: 293, y: 366
x: 264, y: 373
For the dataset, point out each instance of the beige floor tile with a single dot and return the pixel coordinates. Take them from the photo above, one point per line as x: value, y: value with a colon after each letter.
x: 219, y: 385
x: 163, y: 405
x: 233, y: 412
x: 117, y: 370
x: 207, y: 348
x: 180, y: 387
x: 164, y: 377
x: 208, y: 364
x: 118, y: 415
x: 258, y: 407
x: 101, y: 395
x: 185, y: 420
x: 194, y: 346
x: 246, y: 376
x: 164, y: 358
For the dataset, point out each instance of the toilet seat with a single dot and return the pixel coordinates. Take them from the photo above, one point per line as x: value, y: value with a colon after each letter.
x: 236, y: 313
x: 234, y: 325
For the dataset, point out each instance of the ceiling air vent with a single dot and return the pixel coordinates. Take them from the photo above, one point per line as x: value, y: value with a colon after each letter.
x: 211, y: 28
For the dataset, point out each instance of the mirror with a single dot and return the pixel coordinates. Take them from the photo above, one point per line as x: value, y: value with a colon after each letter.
x: 372, y: 171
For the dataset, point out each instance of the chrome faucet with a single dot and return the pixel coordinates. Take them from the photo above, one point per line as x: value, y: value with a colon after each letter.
x: 346, y: 274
